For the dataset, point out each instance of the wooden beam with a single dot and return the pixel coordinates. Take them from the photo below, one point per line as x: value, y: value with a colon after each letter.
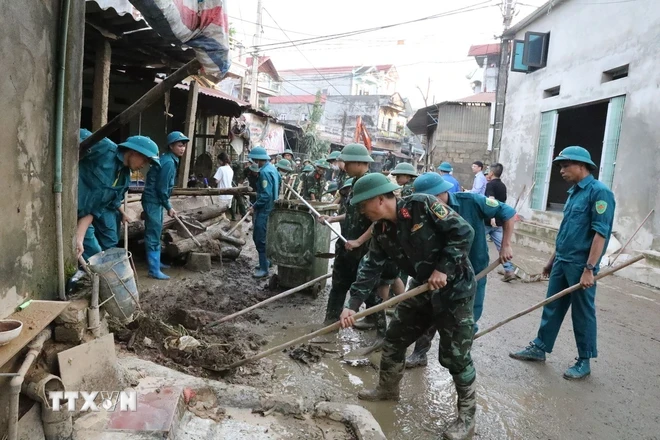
x: 191, y: 114
x: 101, y: 84
x: 141, y: 104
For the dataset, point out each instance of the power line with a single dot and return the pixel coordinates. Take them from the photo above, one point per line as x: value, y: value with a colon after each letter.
x: 304, y: 41
x: 301, y: 53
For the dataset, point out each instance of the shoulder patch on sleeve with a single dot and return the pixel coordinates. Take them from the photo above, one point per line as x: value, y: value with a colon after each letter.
x: 601, y: 206
x: 492, y: 202
x: 264, y: 183
x: 439, y: 210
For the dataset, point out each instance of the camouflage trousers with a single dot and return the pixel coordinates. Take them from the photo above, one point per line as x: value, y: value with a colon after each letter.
x: 454, y: 321
x: 237, y: 207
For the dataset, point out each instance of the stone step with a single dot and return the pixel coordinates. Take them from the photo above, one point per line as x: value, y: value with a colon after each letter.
x: 535, y: 236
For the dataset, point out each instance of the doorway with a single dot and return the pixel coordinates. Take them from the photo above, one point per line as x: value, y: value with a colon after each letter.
x: 583, y: 126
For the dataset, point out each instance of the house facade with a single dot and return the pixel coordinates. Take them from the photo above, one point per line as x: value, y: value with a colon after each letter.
x: 578, y: 85
x: 342, y: 80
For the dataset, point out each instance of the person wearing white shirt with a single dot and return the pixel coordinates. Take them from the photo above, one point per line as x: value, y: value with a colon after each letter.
x: 479, y: 184
x: 224, y: 176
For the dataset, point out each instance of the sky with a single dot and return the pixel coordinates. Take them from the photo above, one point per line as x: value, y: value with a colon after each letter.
x: 434, y: 49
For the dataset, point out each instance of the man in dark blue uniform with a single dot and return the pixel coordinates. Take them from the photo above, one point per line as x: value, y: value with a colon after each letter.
x: 581, y: 242
x: 156, y: 197
x: 268, y: 189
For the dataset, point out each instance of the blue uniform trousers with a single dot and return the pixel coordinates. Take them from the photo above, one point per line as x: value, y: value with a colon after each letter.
x: 103, y: 233
x: 583, y: 311
x: 260, y: 229
x: 153, y: 225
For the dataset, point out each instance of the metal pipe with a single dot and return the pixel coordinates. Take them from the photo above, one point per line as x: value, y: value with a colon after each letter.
x: 93, y: 315
x: 311, y: 208
x: 59, y: 130
x: 15, y: 385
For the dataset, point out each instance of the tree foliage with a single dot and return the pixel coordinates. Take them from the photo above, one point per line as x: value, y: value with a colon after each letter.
x: 312, y: 144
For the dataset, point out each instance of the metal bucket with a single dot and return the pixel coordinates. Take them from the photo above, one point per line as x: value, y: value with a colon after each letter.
x: 117, y: 290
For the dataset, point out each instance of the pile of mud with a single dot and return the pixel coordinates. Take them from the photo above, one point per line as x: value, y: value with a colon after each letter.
x: 174, y: 328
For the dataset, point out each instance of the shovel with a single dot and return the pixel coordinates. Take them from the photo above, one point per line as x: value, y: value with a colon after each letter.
x: 360, y: 355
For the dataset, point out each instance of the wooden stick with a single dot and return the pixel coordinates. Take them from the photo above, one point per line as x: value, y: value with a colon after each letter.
x: 332, y: 327
x: 141, y: 104
x: 311, y: 208
x: 238, y: 224
x: 125, y: 225
x: 271, y: 299
x: 233, y: 191
x: 631, y: 237
x: 188, y: 231
x: 522, y: 193
x: 557, y: 296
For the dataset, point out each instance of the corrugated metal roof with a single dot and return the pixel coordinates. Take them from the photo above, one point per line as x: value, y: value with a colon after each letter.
x: 487, y: 97
x: 295, y: 99
x: 484, y: 49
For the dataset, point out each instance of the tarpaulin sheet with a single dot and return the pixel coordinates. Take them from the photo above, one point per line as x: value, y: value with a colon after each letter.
x: 200, y: 24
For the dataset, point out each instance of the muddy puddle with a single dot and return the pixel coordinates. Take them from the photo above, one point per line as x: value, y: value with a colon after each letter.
x: 515, y: 400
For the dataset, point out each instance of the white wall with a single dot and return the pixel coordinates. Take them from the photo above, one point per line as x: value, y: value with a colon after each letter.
x: 587, y: 39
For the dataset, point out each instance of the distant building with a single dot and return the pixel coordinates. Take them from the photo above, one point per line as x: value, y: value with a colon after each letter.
x: 345, y: 80
x: 484, y: 78
x: 457, y: 132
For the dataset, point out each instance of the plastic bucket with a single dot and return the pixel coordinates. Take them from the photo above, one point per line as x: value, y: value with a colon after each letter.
x: 117, y: 288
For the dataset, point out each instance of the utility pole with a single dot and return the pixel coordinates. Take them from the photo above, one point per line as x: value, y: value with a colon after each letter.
x: 254, y: 96
x: 502, y: 79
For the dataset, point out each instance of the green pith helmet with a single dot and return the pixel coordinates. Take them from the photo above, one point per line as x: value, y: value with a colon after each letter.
x: 322, y: 164
x: 446, y: 167
x: 404, y: 169
x: 333, y: 156
x: 355, y: 153
x: 308, y: 168
x: 370, y: 186
x: 576, y: 154
x: 254, y: 167
x: 347, y: 184
x: 284, y: 165
x: 258, y: 153
x: 307, y: 161
x: 143, y: 145
x: 431, y: 183
x: 287, y: 151
x: 331, y: 188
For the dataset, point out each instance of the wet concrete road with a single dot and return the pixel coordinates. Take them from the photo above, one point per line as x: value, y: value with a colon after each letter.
x: 517, y: 400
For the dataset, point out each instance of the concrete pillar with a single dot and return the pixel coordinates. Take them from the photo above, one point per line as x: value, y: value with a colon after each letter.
x: 191, y: 115
x: 101, y: 85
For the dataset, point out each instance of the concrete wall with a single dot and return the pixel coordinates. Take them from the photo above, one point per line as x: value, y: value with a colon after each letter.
x: 28, y: 49
x: 576, y: 59
x: 461, y: 138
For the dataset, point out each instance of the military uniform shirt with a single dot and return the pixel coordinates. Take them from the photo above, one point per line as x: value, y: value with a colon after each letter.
x: 355, y: 224
x: 589, y: 210
x: 103, y: 179
x: 408, y: 189
x: 160, y: 181
x: 316, y: 184
x: 427, y: 236
x: 268, y: 187
x: 476, y: 208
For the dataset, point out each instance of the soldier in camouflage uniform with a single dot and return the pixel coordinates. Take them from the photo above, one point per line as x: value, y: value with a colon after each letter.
x: 284, y: 169
x: 238, y: 202
x: 431, y: 242
x: 474, y: 208
x: 353, y: 226
x: 405, y: 176
x: 316, y: 180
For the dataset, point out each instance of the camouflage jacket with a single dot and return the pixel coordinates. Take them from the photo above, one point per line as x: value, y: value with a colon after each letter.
x: 354, y: 225
x: 341, y: 178
x: 407, y: 189
x: 427, y: 236
x: 315, y: 185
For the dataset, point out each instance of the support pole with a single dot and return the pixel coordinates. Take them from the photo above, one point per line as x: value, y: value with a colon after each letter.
x: 101, y: 94
x: 141, y: 104
x: 191, y: 115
